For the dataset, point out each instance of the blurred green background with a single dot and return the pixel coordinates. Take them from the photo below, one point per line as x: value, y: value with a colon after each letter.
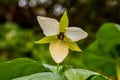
x: 19, y: 30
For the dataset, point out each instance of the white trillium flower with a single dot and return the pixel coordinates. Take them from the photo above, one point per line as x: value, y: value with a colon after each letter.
x: 60, y: 36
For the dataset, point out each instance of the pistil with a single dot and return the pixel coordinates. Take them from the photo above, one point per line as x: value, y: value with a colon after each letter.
x: 61, y: 35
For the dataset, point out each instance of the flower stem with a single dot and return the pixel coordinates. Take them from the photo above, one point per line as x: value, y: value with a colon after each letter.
x: 118, y: 71
x: 57, y: 70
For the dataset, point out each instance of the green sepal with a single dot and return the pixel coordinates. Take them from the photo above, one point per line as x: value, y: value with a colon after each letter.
x: 47, y: 39
x: 67, y: 39
x: 64, y: 22
x: 73, y: 46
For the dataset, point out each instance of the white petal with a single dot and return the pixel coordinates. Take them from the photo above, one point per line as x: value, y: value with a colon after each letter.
x: 49, y: 26
x: 58, y: 50
x: 75, y: 33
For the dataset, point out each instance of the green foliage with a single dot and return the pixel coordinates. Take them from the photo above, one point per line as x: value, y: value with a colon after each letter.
x: 71, y: 74
x: 15, y: 38
x: 27, y: 69
x: 20, y: 67
x: 41, y: 76
x: 8, y: 32
x: 82, y: 74
x: 17, y: 42
x: 108, y: 36
x: 103, y: 53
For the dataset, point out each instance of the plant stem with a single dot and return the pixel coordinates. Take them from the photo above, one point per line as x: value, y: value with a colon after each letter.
x: 57, y: 70
x: 118, y: 71
x: 117, y: 64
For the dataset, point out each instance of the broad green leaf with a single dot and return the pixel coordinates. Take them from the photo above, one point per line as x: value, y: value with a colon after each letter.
x: 96, y: 59
x: 82, y: 74
x: 70, y: 74
x: 42, y: 76
x: 46, y: 39
x: 108, y: 35
x: 51, y: 67
x: 64, y: 22
x: 103, y: 53
x: 73, y: 46
x: 20, y: 67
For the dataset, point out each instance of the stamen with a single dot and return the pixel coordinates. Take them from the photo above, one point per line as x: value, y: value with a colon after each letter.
x: 61, y: 35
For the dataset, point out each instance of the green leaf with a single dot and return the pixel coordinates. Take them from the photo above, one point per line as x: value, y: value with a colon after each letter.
x: 82, y: 74
x: 27, y: 69
x: 97, y: 59
x: 108, y: 35
x: 73, y: 46
x: 99, y: 77
x: 103, y: 54
x: 69, y: 74
x: 20, y: 67
x: 42, y: 76
x: 47, y: 39
x: 64, y: 22
x: 52, y: 68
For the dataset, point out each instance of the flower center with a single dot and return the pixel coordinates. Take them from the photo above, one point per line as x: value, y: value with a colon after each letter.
x: 61, y: 35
